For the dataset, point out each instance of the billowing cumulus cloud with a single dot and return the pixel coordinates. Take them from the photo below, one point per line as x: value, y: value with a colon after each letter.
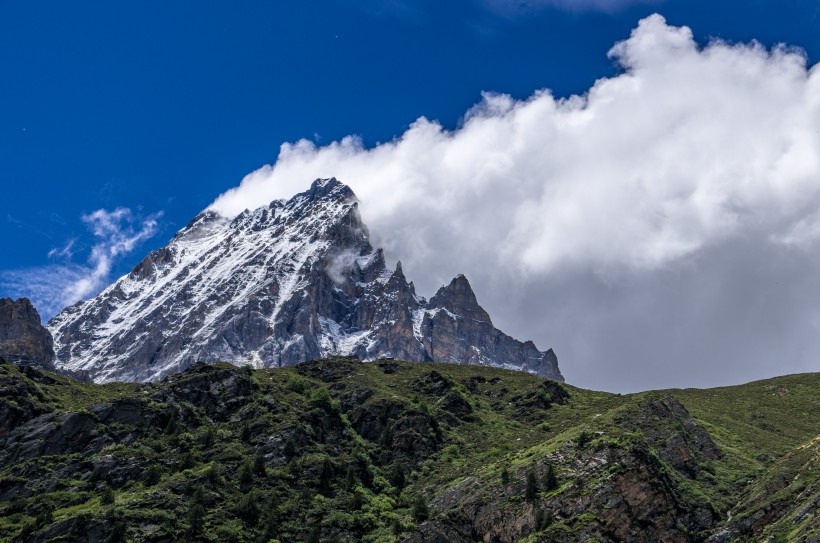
x: 613, y: 225
x: 55, y: 286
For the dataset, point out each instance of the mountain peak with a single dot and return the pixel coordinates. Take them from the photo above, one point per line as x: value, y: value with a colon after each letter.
x: 459, y: 298
x: 328, y: 187
x: 293, y: 281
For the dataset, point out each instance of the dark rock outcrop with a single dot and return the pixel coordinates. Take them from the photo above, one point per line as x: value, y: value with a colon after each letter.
x: 23, y: 339
x: 293, y: 281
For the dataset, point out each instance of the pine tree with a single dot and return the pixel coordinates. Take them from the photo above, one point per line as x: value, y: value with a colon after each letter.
x: 246, y: 473
x: 248, y: 510
x: 550, y: 478
x: 259, y: 464
x: 326, y: 475
x: 350, y: 479
x: 505, y: 476
x: 397, y: 478
x: 196, y: 518
x: 246, y: 432
x: 532, y: 486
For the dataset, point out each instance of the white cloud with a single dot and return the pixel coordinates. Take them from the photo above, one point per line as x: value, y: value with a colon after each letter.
x: 689, y: 150
x: 56, y: 286
x: 64, y: 252
x: 685, y: 149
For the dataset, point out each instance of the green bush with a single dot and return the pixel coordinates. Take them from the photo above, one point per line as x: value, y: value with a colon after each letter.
x: 420, y: 510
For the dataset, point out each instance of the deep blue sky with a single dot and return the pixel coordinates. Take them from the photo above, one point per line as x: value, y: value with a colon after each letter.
x: 161, y: 106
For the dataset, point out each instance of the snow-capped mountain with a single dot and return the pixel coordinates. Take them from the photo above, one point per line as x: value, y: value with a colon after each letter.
x: 293, y: 281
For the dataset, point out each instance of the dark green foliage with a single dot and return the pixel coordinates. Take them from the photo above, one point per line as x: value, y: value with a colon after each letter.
x: 198, y: 495
x: 259, y: 465
x: 420, y: 510
x: 350, y: 479
x: 246, y: 432
x: 208, y: 437
x: 396, y: 527
x: 119, y: 532
x: 542, y: 520
x: 326, y: 474
x: 16, y: 505
x: 152, y: 475
x: 107, y: 496
x: 248, y: 508
x: 245, y: 475
x: 196, y: 518
x: 584, y: 438
x: 550, y: 478
x: 531, y: 491
x: 187, y: 461
x: 212, y: 475
x: 386, y: 438
x: 397, y: 478
x: 358, y: 500
x: 172, y: 428
x: 361, y: 453
x: 505, y: 476
x: 298, y: 385
x: 321, y: 399
x: 290, y: 448
x: 44, y: 517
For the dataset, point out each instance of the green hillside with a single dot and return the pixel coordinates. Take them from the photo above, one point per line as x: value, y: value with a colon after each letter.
x: 340, y: 450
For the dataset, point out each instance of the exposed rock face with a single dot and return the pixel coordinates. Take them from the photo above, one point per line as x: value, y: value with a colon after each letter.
x: 616, y: 492
x: 293, y: 281
x: 23, y: 340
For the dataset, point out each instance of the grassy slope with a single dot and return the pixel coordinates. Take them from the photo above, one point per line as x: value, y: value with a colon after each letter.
x: 755, y: 425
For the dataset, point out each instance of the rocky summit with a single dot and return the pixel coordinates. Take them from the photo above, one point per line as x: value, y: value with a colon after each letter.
x: 23, y: 339
x: 293, y: 281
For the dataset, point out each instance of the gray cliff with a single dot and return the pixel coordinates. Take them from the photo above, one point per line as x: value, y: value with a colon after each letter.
x: 23, y: 339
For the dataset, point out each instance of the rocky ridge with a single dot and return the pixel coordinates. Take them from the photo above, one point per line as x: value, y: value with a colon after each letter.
x: 23, y: 339
x: 293, y: 281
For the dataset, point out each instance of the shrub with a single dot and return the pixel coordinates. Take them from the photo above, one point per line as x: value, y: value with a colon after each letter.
x: 107, y: 496
x: 420, y: 510
x: 245, y: 475
x: 208, y: 438
x: 152, y: 475
x: 298, y: 385
x: 584, y: 438
x: 187, y: 461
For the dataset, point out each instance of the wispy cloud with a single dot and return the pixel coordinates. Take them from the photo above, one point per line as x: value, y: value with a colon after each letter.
x: 55, y: 286
x: 65, y: 252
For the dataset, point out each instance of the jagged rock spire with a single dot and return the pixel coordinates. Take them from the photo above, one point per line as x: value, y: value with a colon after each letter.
x: 292, y: 281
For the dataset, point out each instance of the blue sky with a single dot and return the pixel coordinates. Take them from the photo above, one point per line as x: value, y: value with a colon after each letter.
x: 150, y: 110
